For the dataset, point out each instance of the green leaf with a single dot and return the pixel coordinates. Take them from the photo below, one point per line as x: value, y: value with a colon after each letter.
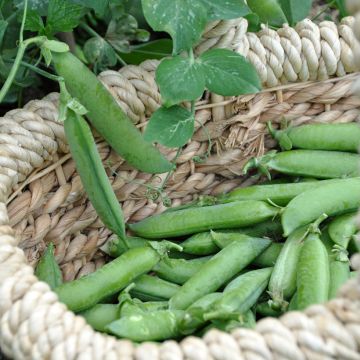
x: 180, y: 79
x: 157, y: 49
x: 97, y: 50
x: 225, y: 9
x: 39, y: 6
x: 184, y: 20
x: 269, y: 11
x: 48, y: 270
x: 99, y: 6
x: 56, y: 46
x: 253, y: 22
x: 228, y: 73
x: 62, y: 16
x: 295, y: 10
x: 33, y: 21
x: 3, y: 26
x: 171, y: 127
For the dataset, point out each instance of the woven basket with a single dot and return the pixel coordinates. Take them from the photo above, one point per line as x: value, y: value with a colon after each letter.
x: 42, y: 198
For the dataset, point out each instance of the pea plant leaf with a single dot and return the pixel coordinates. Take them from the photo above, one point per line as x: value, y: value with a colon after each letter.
x: 62, y: 16
x: 3, y: 26
x: 99, y: 6
x: 184, y: 20
x: 228, y: 73
x: 295, y: 10
x: 180, y: 79
x: 98, y: 51
x: 269, y: 11
x: 39, y: 6
x: 171, y: 127
x: 226, y: 9
x: 34, y: 21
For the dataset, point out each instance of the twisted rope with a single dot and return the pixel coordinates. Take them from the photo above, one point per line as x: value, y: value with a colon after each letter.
x: 53, y: 207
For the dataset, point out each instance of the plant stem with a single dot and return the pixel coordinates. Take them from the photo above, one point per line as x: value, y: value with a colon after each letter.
x: 92, y: 32
x: 323, y: 10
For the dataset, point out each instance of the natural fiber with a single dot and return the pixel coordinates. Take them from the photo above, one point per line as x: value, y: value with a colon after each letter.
x: 42, y: 199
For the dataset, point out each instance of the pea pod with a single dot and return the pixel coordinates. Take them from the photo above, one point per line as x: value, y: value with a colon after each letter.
x: 114, y: 126
x: 240, y: 294
x: 265, y: 310
x: 342, y: 228
x: 217, y: 271
x: 313, y: 276
x: 320, y: 164
x: 354, y: 274
x: 330, y: 199
x: 101, y: 315
x: 48, y: 270
x: 203, y: 244
x: 335, y: 137
x: 87, y: 291
x: 280, y: 194
x: 293, y: 303
x: 282, y: 284
x: 92, y: 173
x: 269, y: 256
x: 153, y: 286
x: 149, y: 326
x: 194, y: 220
x: 339, y: 264
x: 179, y: 271
x: 248, y: 320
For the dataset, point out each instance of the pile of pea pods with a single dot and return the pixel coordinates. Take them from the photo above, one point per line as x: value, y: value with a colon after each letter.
x: 227, y: 261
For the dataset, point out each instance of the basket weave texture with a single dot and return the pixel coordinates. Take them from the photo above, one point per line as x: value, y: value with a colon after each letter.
x: 42, y: 199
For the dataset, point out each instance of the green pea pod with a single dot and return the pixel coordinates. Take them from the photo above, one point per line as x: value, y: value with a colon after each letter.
x: 279, y: 194
x: 194, y: 220
x: 269, y: 12
x: 150, y: 326
x: 334, y: 137
x: 101, y: 315
x: 313, y: 276
x: 116, y: 246
x: 153, y: 286
x: 320, y: 164
x: 202, y: 244
x: 92, y: 173
x: 331, y: 199
x: 48, y: 270
x: 282, y: 284
x: 248, y: 321
x: 240, y: 294
x: 217, y: 271
x: 179, y: 271
x: 293, y: 303
x: 264, y: 309
x: 107, y: 117
x: 354, y: 274
x: 222, y: 240
x: 269, y: 256
x: 87, y: 291
x: 342, y: 228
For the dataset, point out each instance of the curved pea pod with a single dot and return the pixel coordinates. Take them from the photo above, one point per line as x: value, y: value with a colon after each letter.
x: 101, y: 315
x: 107, y: 117
x: 87, y: 291
x: 179, y: 271
x: 342, y: 228
x: 150, y: 326
x: 48, y: 270
x: 265, y: 310
x: 200, y: 244
x: 320, y: 164
x: 193, y: 220
x: 279, y: 194
x: 217, y: 271
x: 203, y: 244
x: 240, y: 294
x: 154, y: 287
x: 313, y: 277
x: 269, y: 256
x: 92, y: 173
x: 282, y: 284
x: 331, y: 199
x: 335, y: 137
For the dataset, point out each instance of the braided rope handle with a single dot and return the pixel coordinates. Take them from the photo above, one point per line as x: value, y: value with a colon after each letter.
x: 34, y: 325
